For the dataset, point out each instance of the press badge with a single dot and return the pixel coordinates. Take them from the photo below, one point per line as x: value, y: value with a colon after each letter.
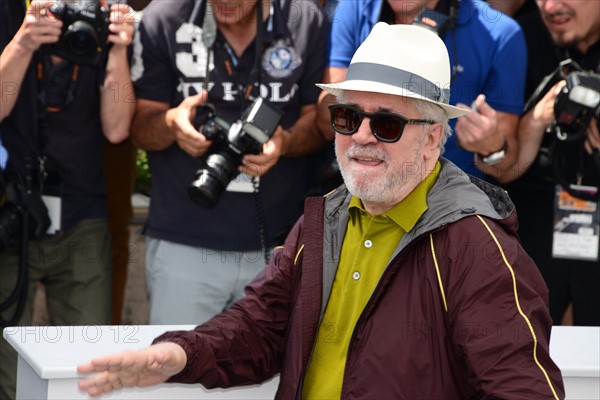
x: 242, y: 183
x: 53, y: 204
x: 576, y: 226
x: 52, y: 198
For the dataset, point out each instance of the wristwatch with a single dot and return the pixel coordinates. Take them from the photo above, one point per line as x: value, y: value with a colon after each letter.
x: 495, y: 157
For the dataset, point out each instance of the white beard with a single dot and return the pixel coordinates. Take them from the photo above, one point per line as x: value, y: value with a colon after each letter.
x: 387, y: 188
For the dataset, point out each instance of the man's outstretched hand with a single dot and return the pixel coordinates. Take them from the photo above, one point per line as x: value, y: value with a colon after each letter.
x: 146, y: 367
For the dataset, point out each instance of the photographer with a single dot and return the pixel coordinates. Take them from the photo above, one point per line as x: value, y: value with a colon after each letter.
x: 556, y: 180
x: 56, y: 111
x: 488, y: 74
x: 240, y: 52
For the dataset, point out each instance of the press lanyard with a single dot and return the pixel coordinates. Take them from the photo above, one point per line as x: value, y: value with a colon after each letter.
x: 203, y: 9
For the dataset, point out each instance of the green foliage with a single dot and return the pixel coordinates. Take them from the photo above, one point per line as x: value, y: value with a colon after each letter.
x: 142, y: 173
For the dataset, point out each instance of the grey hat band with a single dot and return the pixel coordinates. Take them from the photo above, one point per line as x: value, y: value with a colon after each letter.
x: 399, y: 78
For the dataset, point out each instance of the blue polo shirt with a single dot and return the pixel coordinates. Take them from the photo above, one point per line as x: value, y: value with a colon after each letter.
x: 495, y: 64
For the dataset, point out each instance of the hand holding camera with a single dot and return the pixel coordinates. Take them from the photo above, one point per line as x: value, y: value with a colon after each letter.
x: 259, y: 164
x: 576, y: 105
x: 38, y: 27
x: 543, y: 112
x: 122, y: 24
x: 569, y: 105
x: 89, y: 28
x: 178, y: 121
x: 231, y: 146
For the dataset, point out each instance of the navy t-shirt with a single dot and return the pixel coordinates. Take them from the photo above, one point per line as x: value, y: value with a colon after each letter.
x: 170, y: 64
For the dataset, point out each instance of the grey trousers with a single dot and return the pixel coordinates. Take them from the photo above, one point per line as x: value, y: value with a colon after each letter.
x: 189, y: 285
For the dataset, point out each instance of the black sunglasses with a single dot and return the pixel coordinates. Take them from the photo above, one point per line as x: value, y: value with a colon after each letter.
x: 386, y: 127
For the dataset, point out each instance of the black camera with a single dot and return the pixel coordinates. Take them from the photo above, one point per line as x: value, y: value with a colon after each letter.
x: 576, y: 104
x: 16, y: 202
x: 84, y: 33
x: 230, y: 143
x: 432, y: 20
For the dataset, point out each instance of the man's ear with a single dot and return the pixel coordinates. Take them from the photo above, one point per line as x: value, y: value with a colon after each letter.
x: 434, y: 137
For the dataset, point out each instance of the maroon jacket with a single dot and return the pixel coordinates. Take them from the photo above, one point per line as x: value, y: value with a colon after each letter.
x: 459, y: 313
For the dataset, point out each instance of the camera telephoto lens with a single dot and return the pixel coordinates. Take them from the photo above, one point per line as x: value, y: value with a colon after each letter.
x: 81, y: 38
x: 211, y: 181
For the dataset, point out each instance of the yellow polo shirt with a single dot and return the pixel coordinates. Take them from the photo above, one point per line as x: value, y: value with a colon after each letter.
x: 366, y: 251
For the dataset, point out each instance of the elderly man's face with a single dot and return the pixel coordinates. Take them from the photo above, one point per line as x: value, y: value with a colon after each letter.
x: 383, y: 174
x: 572, y: 22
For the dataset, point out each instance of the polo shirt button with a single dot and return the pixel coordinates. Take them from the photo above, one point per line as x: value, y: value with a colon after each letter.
x: 356, y: 275
x: 368, y: 244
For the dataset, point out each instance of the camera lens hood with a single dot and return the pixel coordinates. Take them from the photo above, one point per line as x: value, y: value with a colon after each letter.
x: 81, y: 38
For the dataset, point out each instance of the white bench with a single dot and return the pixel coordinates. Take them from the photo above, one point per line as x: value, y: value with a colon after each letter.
x: 48, y: 357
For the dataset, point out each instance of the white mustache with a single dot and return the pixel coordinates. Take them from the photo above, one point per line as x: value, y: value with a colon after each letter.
x: 358, y: 151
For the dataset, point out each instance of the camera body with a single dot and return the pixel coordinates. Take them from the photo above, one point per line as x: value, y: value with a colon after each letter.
x: 577, y: 103
x: 16, y: 201
x: 432, y: 20
x: 84, y: 33
x: 230, y: 143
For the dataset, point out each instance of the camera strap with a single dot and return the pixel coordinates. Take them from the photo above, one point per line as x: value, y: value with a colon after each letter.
x: 203, y: 11
x: 47, y: 103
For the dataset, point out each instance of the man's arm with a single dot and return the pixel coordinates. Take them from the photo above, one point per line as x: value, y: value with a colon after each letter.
x: 117, y: 99
x: 303, y: 138
x: 217, y: 353
x: 156, y: 126
x: 485, y: 131
x: 38, y: 28
x: 507, y: 125
x: 500, y: 325
x: 531, y: 130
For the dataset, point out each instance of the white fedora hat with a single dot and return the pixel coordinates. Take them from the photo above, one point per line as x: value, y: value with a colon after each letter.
x: 402, y: 60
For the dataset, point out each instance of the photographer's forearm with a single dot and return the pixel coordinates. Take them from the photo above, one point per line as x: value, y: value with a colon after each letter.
x: 14, y: 62
x: 36, y: 30
x: 304, y: 138
x: 530, y: 135
x: 149, y: 129
x: 117, y: 96
x: 532, y: 127
x: 504, y: 167
x: 507, y: 126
